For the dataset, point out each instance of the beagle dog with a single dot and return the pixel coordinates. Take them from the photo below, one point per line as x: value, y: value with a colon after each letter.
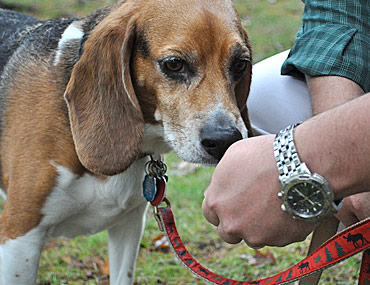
x: 85, y: 101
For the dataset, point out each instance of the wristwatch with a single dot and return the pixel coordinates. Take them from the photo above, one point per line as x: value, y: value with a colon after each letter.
x: 304, y: 195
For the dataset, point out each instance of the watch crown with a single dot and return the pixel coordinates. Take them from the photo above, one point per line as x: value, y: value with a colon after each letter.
x: 283, y: 208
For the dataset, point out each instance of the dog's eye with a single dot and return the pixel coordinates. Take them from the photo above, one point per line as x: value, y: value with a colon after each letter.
x: 239, y: 65
x: 176, y: 68
x: 174, y: 64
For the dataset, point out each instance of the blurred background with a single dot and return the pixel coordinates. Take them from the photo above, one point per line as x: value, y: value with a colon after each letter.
x: 271, y: 25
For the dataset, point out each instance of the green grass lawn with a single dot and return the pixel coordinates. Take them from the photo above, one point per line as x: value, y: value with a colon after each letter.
x: 271, y: 25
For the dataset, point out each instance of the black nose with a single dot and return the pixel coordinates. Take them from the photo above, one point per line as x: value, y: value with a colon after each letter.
x: 216, y: 139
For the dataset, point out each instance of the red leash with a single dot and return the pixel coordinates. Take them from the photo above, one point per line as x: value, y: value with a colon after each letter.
x: 340, y: 247
x: 345, y: 244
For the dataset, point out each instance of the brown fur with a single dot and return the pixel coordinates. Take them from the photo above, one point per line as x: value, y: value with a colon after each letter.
x: 108, y: 106
x: 106, y: 119
x: 192, y: 41
x: 49, y: 140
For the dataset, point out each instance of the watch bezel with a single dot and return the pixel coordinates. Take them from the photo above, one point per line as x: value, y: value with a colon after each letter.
x: 319, y: 182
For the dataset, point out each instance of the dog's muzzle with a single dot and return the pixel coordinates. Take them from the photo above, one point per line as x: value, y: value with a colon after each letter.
x: 217, y: 138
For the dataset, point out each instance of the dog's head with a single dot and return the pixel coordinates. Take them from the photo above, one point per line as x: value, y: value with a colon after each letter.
x: 182, y: 68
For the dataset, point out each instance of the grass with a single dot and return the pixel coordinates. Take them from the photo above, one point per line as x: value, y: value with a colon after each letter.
x: 44, y: 9
x: 271, y: 25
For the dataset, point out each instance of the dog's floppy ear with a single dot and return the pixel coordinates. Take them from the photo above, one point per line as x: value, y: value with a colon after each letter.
x: 243, y: 87
x: 106, y: 120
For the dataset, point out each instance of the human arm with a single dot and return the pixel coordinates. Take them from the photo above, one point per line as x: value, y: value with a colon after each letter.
x: 327, y: 92
x: 242, y: 197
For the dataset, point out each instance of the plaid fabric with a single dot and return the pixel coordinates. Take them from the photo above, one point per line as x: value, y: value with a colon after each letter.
x: 334, y: 39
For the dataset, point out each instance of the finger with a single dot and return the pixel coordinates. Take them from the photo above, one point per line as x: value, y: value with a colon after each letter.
x: 209, y: 214
x: 346, y: 215
x: 254, y: 247
x: 229, y: 238
x: 354, y: 209
x: 361, y: 205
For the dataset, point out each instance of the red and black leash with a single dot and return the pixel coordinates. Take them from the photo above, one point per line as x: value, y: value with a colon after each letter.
x: 345, y: 244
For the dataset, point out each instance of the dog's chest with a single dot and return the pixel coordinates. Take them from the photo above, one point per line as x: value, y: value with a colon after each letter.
x: 86, y: 205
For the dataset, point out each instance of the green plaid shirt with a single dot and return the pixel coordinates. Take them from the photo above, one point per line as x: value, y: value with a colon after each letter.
x: 334, y: 39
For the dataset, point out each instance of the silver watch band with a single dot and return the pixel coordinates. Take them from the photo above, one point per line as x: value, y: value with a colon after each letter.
x: 288, y: 162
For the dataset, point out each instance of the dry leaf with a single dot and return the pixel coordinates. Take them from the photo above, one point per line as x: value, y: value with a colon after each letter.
x: 259, y: 257
x: 51, y: 244
x: 160, y: 242
x: 266, y: 257
x: 67, y: 259
x: 104, y: 267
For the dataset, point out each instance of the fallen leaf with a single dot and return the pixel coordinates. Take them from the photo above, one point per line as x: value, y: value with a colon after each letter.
x: 259, y: 257
x: 266, y: 257
x: 104, y: 267
x: 51, y: 244
x: 161, y: 243
x: 67, y: 259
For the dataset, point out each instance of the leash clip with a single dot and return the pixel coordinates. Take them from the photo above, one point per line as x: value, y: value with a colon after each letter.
x: 157, y: 215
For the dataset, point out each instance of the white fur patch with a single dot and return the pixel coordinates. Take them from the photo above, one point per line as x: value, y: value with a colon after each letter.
x: 154, y: 140
x: 83, y: 205
x: 19, y: 258
x: 184, y: 137
x: 87, y: 205
x: 73, y: 32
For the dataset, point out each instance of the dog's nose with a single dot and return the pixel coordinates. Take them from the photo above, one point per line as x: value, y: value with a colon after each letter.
x: 216, y: 139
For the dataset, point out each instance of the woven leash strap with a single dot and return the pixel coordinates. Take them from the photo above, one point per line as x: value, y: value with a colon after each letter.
x: 340, y: 247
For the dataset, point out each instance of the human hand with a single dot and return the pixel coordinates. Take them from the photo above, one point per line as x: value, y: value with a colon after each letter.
x: 355, y: 208
x: 242, y: 198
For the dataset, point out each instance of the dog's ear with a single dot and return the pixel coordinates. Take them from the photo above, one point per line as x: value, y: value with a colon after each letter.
x: 243, y: 87
x: 106, y: 120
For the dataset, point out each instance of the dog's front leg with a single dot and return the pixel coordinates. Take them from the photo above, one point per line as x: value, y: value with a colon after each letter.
x: 19, y: 258
x: 123, y: 244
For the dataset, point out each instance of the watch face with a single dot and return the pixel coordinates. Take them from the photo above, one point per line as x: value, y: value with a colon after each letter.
x: 305, y: 199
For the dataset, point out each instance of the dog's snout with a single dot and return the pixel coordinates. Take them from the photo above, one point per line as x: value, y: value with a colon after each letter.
x: 216, y: 140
